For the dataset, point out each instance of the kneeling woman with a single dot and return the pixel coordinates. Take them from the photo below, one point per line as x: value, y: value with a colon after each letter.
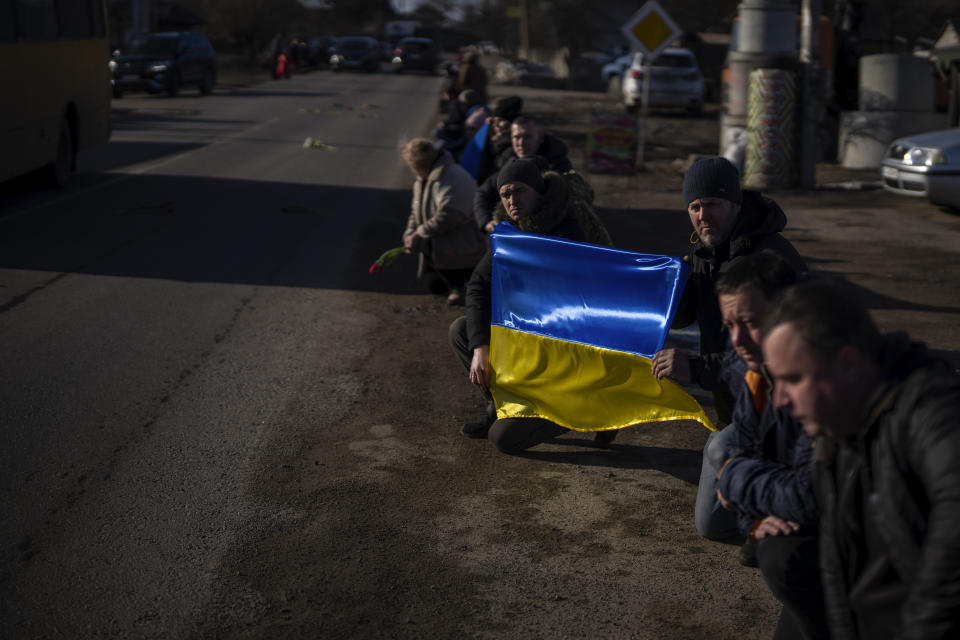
x: 441, y: 227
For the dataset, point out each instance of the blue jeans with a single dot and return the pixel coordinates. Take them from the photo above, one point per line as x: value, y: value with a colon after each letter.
x: 709, y: 517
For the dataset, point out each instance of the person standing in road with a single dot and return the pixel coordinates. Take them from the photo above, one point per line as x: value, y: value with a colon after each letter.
x: 440, y: 228
x: 537, y: 203
x: 885, y: 472
x: 472, y: 75
x: 727, y: 223
x: 527, y: 139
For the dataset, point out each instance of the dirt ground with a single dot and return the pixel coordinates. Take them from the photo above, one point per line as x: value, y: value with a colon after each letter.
x: 392, y: 525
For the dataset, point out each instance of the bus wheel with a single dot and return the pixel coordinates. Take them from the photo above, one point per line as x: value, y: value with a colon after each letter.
x: 59, y: 171
x: 206, y: 84
x: 173, y: 85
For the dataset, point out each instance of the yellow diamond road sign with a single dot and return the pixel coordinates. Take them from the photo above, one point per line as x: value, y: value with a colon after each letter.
x: 651, y: 30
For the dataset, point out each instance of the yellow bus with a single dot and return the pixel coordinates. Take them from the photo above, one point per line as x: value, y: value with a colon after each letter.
x: 54, y: 84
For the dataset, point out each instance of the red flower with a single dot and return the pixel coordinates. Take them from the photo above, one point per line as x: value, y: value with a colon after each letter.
x: 375, y: 269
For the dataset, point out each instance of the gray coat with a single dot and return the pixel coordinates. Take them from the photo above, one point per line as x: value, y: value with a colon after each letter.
x: 441, y: 215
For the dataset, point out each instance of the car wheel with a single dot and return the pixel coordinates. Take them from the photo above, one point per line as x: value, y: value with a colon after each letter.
x: 117, y: 92
x: 173, y: 85
x: 695, y: 111
x: 59, y: 171
x: 631, y: 109
x: 207, y: 83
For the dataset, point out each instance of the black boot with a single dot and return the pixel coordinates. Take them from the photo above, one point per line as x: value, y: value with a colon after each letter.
x: 480, y: 429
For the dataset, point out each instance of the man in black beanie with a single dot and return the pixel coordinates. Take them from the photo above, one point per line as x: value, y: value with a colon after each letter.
x: 535, y: 201
x: 727, y: 223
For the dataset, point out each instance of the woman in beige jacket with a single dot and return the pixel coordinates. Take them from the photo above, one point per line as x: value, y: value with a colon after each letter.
x: 441, y: 227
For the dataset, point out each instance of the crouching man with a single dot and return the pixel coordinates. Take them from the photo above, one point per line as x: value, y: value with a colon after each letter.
x: 885, y: 466
x: 764, y: 477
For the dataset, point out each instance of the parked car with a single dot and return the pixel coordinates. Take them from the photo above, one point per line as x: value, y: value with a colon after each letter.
x: 319, y: 49
x: 925, y: 165
x: 488, y: 48
x: 612, y: 73
x: 356, y: 53
x: 415, y: 53
x: 675, y: 81
x: 166, y: 61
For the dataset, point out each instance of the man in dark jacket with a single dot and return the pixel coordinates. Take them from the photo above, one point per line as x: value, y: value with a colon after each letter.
x: 503, y: 111
x: 537, y: 203
x: 885, y: 466
x: 727, y: 223
x: 763, y: 473
x: 527, y: 139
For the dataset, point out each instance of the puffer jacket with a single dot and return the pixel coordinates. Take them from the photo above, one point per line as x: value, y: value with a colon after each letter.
x: 440, y: 215
x: 758, y: 228
x: 903, y: 461
x: 560, y: 214
x: 769, y: 472
x: 485, y: 202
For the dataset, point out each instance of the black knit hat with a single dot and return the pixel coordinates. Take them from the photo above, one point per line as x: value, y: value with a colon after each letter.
x: 522, y: 170
x: 508, y: 107
x: 711, y: 178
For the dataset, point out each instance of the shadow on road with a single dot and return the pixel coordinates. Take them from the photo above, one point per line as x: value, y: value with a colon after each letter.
x: 218, y: 230
x: 683, y: 464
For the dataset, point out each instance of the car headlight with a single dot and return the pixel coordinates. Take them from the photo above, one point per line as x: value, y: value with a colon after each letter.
x: 160, y: 66
x: 397, y: 60
x: 334, y: 59
x: 112, y: 65
x: 918, y: 156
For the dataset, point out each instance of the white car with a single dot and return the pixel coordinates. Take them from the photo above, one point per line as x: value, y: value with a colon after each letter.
x: 925, y: 165
x: 612, y: 73
x: 675, y: 81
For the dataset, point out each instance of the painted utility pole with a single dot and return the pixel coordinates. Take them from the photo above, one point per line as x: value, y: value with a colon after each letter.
x: 812, y: 94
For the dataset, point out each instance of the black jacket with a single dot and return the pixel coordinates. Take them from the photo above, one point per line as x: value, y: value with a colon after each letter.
x: 485, y: 201
x: 891, y: 523
x: 758, y: 228
x: 561, y: 215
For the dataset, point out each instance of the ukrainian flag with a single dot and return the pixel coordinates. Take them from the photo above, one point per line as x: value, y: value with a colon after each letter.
x: 573, y: 329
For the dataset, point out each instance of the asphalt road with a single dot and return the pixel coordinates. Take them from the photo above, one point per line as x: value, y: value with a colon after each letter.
x: 215, y: 423
x: 160, y: 319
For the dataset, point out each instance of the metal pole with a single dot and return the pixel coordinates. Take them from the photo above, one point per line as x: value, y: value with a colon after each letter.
x: 642, y: 122
x: 812, y: 99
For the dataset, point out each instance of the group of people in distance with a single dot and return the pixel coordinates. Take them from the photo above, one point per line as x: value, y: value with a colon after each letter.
x: 835, y: 462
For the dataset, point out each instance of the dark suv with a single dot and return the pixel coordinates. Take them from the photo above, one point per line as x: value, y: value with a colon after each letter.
x: 164, y: 62
x: 415, y: 53
x: 355, y: 53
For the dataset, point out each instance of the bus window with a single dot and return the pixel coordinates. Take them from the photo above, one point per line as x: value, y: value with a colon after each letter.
x: 36, y: 19
x: 7, y: 33
x: 75, y: 18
